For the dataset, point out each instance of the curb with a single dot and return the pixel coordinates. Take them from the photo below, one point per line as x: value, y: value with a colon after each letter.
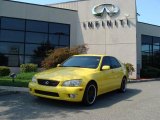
x: 143, y: 80
x: 13, y: 89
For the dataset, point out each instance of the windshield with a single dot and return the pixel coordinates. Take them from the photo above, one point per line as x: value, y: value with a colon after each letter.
x: 82, y: 61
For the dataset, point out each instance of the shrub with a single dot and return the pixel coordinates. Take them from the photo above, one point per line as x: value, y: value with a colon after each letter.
x: 28, y: 67
x: 59, y: 55
x: 25, y: 76
x: 4, y: 71
x: 150, y: 72
x: 130, y: 68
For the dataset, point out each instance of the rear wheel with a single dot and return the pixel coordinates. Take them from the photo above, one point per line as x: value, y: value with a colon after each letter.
x: 123, y: 85
x: 90, y: 94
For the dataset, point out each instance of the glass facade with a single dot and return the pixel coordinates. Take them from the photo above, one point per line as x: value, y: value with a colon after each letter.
x: 26, y: 41
x: 150, y: 51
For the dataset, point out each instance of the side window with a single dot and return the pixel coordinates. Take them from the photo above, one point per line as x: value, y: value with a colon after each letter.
x: 114, y: 63
x: 106, y: 61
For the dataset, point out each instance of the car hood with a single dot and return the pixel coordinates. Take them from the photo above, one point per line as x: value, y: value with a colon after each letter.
x: 65, y: 73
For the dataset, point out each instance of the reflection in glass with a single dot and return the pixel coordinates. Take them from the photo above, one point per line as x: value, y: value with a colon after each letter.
x: 54, y: 39
x: 59, y: 28
x: 11, y: 48
x: 12, y: 36
x: 38, y: 50
x: 3, y: 60
x: 64, y: 40
x: 12, y: 60
x: 36, y: 37
x: 150, y: 51
x: 30, y: 39
x: 37, y: 26
x: 33, y: 59
x: 12, y: 23
x: 146, y: 39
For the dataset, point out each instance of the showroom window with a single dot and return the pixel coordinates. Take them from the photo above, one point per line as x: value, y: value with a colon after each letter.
x: 36, y: 26
x: 12, y: 36
x: 26, y: 41
x: 12, y: 23
x: 36, y: 38
x: 150, y: 51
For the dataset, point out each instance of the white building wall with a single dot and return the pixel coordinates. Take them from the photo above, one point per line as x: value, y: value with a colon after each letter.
x: 120, y: 42
x: 67, y: 5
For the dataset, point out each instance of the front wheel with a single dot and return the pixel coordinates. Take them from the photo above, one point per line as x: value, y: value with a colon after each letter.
x: 90, y: 94
x: 123, y: 85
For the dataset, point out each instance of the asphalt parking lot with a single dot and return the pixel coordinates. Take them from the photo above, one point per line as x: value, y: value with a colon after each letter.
x: 140, y: 102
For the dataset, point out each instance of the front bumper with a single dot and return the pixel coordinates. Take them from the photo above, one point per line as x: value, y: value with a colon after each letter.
x: 74, y: 94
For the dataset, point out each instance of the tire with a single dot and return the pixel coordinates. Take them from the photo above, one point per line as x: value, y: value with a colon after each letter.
x: 90, y: 94
x: 123, y: 85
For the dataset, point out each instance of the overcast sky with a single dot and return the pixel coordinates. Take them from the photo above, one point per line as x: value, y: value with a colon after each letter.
x: 149, y: 10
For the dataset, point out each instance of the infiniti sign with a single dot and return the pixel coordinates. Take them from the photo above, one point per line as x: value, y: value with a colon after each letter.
x: 110, y: 9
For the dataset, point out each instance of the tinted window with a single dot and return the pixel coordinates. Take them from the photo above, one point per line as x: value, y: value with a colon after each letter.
x: 30, y: 49
x: 33, y: 59
x: 59, y: 28
x: 82, y: 61
x: 11, y: 23
x: 30, y: 39
x: 114, y: 63
x: 106, y: 61
x: 3, y: 60
x: 0, y: 22
x: 11, y: 48
x: 54, y: 39
x: 36, y: 26
x: 36, y: 37
x: 12, y: 36
x: 146, y: 39
x: 11, y: 60
x: 37, y: 50
x: 156, y: 52
x: 64, y: 40
x: 150, y: 51
x: 60, y: 46
x: 156, y: 44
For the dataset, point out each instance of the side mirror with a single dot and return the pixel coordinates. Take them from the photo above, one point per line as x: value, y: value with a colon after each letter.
x: 58, y: 65
x: 106, y: 67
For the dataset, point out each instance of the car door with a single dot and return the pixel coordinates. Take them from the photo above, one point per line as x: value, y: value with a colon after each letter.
x: 117, y: 72
x: 107, y: 78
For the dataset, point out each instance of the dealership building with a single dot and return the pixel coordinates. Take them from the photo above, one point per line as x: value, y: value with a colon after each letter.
x: 107, y: 26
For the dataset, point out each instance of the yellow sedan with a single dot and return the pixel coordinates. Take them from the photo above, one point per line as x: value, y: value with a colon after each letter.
x: 81, y: 78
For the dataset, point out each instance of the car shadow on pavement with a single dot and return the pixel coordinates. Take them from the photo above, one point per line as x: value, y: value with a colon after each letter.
x: 23, y: 106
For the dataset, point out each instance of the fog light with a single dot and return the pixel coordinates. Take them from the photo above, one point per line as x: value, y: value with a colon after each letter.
x: 72, y: 95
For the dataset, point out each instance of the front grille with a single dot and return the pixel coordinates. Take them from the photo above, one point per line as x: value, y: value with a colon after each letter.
x: 47, y: 93
x: 48, y: 82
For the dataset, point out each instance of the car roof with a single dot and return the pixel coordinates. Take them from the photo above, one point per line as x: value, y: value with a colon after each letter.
x: 98, y: 55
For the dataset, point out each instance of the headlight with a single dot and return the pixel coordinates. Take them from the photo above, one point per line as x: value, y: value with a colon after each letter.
x: 34, y: 79
x: 72, y: 83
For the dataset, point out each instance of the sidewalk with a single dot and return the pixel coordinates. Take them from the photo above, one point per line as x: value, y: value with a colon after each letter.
x: 143, y: 80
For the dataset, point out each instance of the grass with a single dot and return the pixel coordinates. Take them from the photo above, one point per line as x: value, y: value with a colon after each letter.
x: 21, y: 80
